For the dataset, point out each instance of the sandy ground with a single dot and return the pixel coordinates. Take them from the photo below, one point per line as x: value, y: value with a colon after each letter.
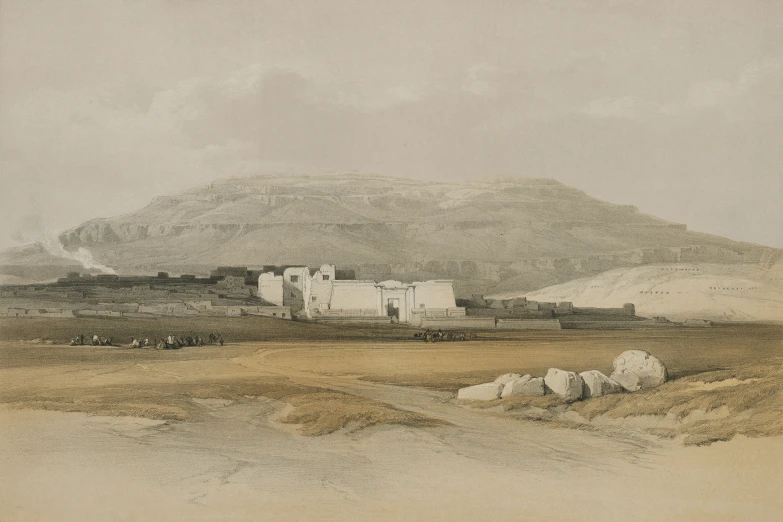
x: 232, y: 457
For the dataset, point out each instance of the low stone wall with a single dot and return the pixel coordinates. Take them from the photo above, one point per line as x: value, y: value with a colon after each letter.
x: 613, y: 325
x: 697, y: 323
x: 354, y: 319
x: 350, y: 312
x: 528, y: 324
x: 458, y: 322
x: 100, y: 313
x: 276, y: 312
x: 36, y: 312
x: 515, y: 313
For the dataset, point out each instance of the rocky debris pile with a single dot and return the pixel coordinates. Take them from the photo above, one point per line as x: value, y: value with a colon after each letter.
x: 634, y: 370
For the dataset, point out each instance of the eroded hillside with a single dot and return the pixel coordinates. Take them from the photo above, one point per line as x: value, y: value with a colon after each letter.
x: 490, y: 235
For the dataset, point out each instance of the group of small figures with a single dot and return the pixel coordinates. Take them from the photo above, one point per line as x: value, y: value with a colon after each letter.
x: 173, y: 343
x: 430, y: 336
x: 97, y: 340
x: 169, y: 343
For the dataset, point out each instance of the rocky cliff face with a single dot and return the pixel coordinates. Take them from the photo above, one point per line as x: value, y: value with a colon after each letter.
x: 487, y: 235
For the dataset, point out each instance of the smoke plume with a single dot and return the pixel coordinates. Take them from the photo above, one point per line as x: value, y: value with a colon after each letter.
x: 82, y: 255
x: 33, y: 229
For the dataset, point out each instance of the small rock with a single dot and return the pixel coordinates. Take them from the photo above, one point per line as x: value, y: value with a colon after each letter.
x: 481, y: 392
x: 638, y: 370
x: 517, y: 384
x: 565, y: 384
x: 508, y: 377
x: 598, y: 384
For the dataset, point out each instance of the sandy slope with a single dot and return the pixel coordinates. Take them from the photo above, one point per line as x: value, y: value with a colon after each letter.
x: 679, y: 291
x: 238, y: 466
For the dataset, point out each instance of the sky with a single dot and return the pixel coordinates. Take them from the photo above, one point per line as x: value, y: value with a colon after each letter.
x: 673, y: 106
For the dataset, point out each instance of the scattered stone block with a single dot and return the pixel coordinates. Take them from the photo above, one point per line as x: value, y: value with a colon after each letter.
x: 481, y: 392
x: 597, y: 384
x: 507, y: 377
x: 517, y: 382
x: 525, y: 385
x: 534, y: 386
x: 568, y: 385
x: 638, y: 370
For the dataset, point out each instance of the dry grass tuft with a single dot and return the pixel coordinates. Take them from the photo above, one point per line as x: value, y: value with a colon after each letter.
x: 751, y: 397
x: 326, y: 412
x: 159, y: 401
x: 518, y: 402
x: 319, y: 412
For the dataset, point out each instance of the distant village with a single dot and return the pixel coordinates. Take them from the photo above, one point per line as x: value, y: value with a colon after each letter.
x: 325, y: 294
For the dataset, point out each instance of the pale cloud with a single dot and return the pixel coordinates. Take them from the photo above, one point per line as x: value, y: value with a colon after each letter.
x: 751, y: 94
x: 479, y: 80
x: 759, y: 71
x: 370, y: 98
x: 626, y: 107
x: 742, y: 97
x: 712, y: 93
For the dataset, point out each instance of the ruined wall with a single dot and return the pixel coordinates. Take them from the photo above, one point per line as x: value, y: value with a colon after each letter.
x: 231, y: 283
x: 628, y: 309
x: 37, y: 312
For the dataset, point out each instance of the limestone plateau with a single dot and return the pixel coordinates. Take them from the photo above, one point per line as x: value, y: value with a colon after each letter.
x: 520, y: 234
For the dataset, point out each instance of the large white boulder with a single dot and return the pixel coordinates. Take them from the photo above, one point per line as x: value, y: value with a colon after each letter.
x: 565, y: 384
x: 525, y: 385
x: 597, y: 384
x: 508, y: 377
x: 481, y: 392
x: 638, y: 370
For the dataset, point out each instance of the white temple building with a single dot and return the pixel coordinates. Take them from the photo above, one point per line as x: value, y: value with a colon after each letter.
x: 321, y: 295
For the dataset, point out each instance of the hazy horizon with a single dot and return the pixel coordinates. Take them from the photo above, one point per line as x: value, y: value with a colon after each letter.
x: 672, y: 107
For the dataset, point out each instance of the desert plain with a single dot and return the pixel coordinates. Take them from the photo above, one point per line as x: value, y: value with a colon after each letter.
x: 292, y: 421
